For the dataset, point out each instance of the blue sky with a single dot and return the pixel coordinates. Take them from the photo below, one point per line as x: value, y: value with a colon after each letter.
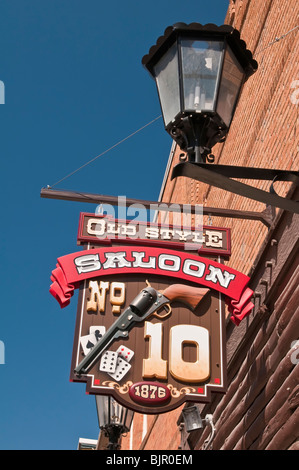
x: 74, y: 87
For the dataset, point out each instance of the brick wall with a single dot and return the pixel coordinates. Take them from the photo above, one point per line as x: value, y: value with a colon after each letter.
x: 265, y: 129
x: 264, y: 133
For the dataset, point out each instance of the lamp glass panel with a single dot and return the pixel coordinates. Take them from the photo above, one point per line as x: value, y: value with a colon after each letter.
x: 102, y: 403
x: 129, y: 419
x: 167, y: 80
x: 110, y: 412
x: 231, y: 81
x: 116, y: 412
x: 192, y: 418
x: 201, y: 61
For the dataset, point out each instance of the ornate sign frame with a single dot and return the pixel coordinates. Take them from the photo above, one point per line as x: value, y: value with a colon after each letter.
x: 151, y: 357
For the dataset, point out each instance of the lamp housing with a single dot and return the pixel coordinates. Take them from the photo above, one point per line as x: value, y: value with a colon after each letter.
x: 199, y: 71
x: 114, y: 419
x: 192, y: 418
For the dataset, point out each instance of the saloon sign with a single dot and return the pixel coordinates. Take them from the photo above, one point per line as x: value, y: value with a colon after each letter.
x: 150, y: 327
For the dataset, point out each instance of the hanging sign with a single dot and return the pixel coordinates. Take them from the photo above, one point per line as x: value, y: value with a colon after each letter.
x: 96, y: 228
x: 150, y: 327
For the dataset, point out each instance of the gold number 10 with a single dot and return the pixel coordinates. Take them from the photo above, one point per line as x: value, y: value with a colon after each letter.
x: 155, y: 366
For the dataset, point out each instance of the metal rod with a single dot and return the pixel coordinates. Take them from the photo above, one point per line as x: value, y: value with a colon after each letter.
x: 264, y: 216
x: 213, y: 175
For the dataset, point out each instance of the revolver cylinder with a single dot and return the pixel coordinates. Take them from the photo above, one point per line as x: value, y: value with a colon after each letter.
x: 144, y: 300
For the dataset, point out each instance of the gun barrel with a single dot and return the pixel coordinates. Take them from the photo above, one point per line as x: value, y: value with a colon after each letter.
x: 117, y: 329
x: 84, y: 366
x: 134, y: 313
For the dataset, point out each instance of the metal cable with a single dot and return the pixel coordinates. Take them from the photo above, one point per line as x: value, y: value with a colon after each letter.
x: 103, y: 153
x: 276, y: 40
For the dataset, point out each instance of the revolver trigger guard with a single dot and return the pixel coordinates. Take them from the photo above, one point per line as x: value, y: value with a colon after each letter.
x: 166, y: 307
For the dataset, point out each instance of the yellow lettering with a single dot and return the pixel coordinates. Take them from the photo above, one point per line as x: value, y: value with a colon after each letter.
x: 98, y: 293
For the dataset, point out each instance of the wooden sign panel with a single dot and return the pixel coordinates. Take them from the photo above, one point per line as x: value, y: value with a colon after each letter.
x: 164, y: 360
x: 103, y: 229
x: 150, y: 328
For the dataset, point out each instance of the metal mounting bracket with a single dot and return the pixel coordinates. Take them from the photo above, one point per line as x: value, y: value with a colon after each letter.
x: 265, y: 216
x: 221, y: 177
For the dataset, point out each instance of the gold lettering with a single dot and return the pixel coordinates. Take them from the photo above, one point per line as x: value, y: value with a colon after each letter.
x: 117, y: 296
x: 154, y: 365
x: 98, y: 293
x: 97, y: 299
x: 197, y: 371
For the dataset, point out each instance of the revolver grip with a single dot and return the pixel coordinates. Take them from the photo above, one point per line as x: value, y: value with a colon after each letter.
x: 189, y: 295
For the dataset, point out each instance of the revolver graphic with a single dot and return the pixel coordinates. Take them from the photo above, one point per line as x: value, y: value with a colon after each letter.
x: 148, y: 302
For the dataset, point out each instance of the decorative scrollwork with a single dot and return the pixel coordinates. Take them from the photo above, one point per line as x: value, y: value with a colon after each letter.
x: 120, y: 388
x: 177, y: 393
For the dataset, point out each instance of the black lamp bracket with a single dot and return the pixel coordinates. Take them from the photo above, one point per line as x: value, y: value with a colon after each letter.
x: 221, y: 176
x: 113, y: 433
x: 197, y: 133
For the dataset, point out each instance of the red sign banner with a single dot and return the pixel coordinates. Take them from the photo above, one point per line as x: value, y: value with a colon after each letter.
x: 103, y: 261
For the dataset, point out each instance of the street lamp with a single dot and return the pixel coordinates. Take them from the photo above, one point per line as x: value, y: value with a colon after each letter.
x: 114, y: 419
x: 192, y: 418
x: 193, y: 422
x: 199, y: 71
